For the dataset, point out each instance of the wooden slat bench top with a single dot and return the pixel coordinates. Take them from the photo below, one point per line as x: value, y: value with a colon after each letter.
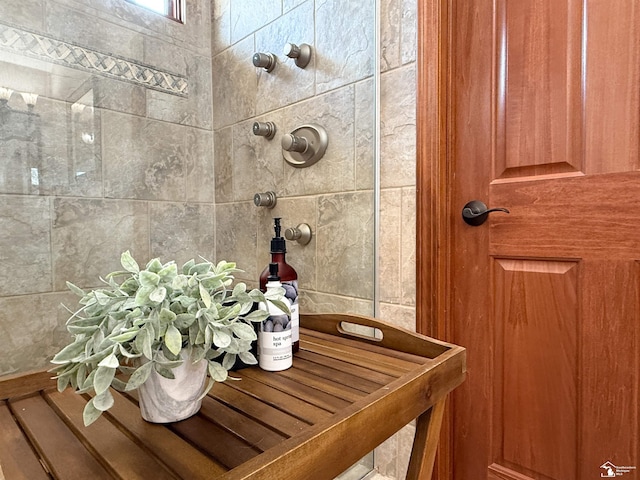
x: 344, y: 395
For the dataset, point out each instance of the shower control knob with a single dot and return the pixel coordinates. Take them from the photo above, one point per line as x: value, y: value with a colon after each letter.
x: 301, y: 54
x: 264, y: 60
x: 301, y: 233
x: 264, y: 129
x: 293, y: 143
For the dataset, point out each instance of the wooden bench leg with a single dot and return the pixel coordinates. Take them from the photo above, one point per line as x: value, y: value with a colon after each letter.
x: 425, y: 443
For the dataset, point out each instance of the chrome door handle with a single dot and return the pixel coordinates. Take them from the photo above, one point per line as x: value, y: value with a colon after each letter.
x: 475, y: 212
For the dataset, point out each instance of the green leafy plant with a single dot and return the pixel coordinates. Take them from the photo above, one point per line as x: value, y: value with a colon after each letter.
x: 142, y: 319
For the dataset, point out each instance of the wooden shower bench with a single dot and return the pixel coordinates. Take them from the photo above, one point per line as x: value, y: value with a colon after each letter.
x: 344, y: 395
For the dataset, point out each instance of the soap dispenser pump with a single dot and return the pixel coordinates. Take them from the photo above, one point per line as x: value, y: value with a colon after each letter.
x: 288, y: 279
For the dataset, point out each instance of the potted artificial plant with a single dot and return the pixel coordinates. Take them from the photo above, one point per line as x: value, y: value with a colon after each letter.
x: 159, y: 327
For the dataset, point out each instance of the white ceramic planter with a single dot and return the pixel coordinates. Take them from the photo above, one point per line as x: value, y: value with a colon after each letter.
x: 164, y: 400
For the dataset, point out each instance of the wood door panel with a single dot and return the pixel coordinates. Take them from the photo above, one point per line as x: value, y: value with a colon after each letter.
x: 535, y: 366
x: 595, y: 216
x: 538, y: 93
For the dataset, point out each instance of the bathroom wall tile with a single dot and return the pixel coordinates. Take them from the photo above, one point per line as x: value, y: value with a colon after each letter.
x: 235, y: 84
x: 181, y: 231
x: 257, y: 161
x: 87, y: 30
x: 405, y: 444
x: 196, y: 108
x: 32, y: 332
x: 389, y: 265
x: 409, y: 36
x: 335, y: 171
x: 292, y: 212
x: 399, y: 315
x: 236, y: 237
x: 364, y: 134
x: 287, y: 83
x: 89, y: 235
x: 398, y: 127
x: 386, y: 457
x: 120, y: 96
x: 143, y: 158
x: 247, y: 16
x: 345, y: 244
x: 25, y: 249
x: 290, y: 4
x: 317, y: 302
x: 220, y: 25
x: 344, y: 46
x: 223, y: 164
x: 195, y: 32
x: 408, y: 247
x: 29, y: 13
x: 390, y: 32
x: 199, y: 169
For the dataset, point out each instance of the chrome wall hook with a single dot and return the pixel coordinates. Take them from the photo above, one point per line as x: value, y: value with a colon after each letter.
x: 264, y: 60
x: 301, y: 54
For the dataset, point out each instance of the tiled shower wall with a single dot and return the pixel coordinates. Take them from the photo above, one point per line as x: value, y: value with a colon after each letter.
x: 113, y: 161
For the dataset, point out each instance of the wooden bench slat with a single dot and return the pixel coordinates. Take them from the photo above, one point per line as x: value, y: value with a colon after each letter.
x: 341, y: 381
x: 309, y: 394
x: 64, y: 454
x: 166, y: 445
x: 302, y: 378
x: 17, y: 459
x: 117, y: 451
x: 361, y: 371
x: 272, y: 417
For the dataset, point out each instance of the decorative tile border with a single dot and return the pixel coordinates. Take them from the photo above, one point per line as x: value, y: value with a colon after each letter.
x: 69, y: 55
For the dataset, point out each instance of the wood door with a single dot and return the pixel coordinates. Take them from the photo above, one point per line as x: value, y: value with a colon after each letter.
x: 539, y: 113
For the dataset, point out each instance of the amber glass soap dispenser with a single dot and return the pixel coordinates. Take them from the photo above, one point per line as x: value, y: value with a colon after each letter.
x: 288, y: 278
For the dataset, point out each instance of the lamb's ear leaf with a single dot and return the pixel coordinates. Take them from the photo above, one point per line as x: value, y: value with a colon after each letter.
x: 104, y: 401
x: 139, y: 377
x: 128, y: 263
x: 90, y: 413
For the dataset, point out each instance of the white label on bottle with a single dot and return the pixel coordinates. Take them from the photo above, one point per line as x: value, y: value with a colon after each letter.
x: 274, y: 350
x: 291, y: 294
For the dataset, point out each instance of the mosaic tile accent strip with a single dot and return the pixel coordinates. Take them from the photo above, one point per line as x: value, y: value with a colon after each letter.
x: 82, y: 58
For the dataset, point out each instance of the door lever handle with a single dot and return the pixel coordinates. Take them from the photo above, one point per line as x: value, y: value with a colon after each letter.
x: 476, y: 212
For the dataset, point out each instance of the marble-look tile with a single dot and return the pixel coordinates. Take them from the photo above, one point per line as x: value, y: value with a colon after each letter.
x: 28, y: 13
x: 33, y: 331
x: 409, y: 39
x: 386, y: 457
x: 195, y: 32
x: 143, y: 158
x: 120, y: 96
x: 405, y: 444
x: 344, y: 46
x: 390, y: 33
x: 408, y: 247
x: 86, y: 30
x: 199, y: 169
x: 196, y: 109
x: 364, y: 134
x: 25, y: 247
x: 257, y: 161
x: 399, y: 315
x: 316, y: 302
x: 286, y: 83
x: 236, y: 237
x: 398, y: 127
x: 391, y: 229
x: 345, y: 244
x: 220, y: 25
x: 335, y: 171
x: 89, y: 235
x: 234, y: 84
x: 302, y: 258
x: 290, y: 4
x: 249, y: 16
x: 181, y: 231
x: 223, y: 164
